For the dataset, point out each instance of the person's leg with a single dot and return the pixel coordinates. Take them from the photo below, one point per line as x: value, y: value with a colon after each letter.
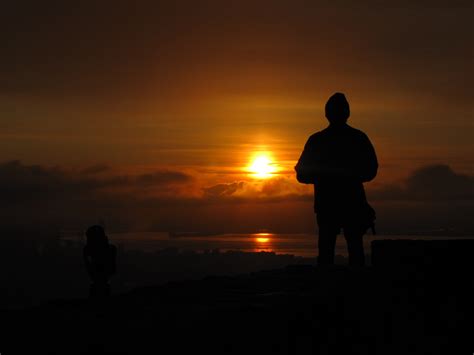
x: 355, y: 246
x: 326, y: 242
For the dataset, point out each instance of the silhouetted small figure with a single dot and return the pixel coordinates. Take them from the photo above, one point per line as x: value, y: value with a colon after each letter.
x: 338, y: 160
x: 100, y: 260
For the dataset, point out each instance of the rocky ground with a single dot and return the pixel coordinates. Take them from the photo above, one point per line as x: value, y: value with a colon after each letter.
x: 298, y: 310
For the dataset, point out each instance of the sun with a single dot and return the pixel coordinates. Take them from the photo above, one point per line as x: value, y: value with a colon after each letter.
x: 262, y: 238
x: 262, y: 166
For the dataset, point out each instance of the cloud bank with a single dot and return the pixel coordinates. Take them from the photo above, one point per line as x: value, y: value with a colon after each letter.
x: 23, y: 184
x: 172, y: 200
x: 430, y: 183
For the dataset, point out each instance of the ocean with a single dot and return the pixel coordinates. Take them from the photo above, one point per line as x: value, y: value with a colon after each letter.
x: 296, y: 244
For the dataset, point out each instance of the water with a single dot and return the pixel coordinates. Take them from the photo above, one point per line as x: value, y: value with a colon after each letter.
x: 296, y: 244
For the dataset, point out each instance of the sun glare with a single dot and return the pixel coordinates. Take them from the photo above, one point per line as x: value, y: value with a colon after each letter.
x: 262, y: 166
x: 262, y: 238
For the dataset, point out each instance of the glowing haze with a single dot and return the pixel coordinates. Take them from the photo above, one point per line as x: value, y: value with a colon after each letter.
x: 191, y: 115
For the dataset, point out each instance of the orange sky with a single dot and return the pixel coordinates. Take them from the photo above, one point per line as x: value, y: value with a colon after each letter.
x: 146, y: 86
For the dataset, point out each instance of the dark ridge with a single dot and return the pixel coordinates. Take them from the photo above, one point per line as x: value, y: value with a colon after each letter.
x: 443, y: 255
x: 297, y: 310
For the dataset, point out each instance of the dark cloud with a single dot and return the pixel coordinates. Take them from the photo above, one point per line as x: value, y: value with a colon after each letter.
x: 26, y: 183
x: 429, y: 183
x: 20, y: 183
x: 223, y: 190
x: 35, y: 195
x: 276, y: 189
x: 163, y: 177
x: 96, y: 169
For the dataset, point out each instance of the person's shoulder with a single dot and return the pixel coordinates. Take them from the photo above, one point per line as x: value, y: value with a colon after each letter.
x: 314, y: 138
x: 318, y: 134
x: 357, y: 132
x: 354, y: 130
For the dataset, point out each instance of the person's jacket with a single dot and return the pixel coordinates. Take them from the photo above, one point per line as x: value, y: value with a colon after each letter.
x: 337, y: 160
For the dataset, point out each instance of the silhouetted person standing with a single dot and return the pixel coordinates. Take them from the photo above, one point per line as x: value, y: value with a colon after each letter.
x: 100, y: 260
x: 338, y: 160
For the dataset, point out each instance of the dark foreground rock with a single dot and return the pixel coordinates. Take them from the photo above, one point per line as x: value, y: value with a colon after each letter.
x: 442, y: 256
x: 297, y: 310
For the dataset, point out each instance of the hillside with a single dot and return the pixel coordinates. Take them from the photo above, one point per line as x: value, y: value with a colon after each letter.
x: 299, y: 309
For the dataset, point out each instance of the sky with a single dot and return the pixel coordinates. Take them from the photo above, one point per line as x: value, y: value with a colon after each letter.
x: 150, y: 114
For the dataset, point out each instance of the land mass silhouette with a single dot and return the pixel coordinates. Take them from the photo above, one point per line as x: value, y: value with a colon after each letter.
x: 424, y: 308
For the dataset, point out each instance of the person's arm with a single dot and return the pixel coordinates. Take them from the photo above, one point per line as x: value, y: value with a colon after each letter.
x: 305, y: 167
x: 314, y: 164
x: 369, y: 166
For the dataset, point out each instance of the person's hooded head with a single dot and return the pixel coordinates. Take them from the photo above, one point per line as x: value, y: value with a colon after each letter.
x: 337, y: 109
